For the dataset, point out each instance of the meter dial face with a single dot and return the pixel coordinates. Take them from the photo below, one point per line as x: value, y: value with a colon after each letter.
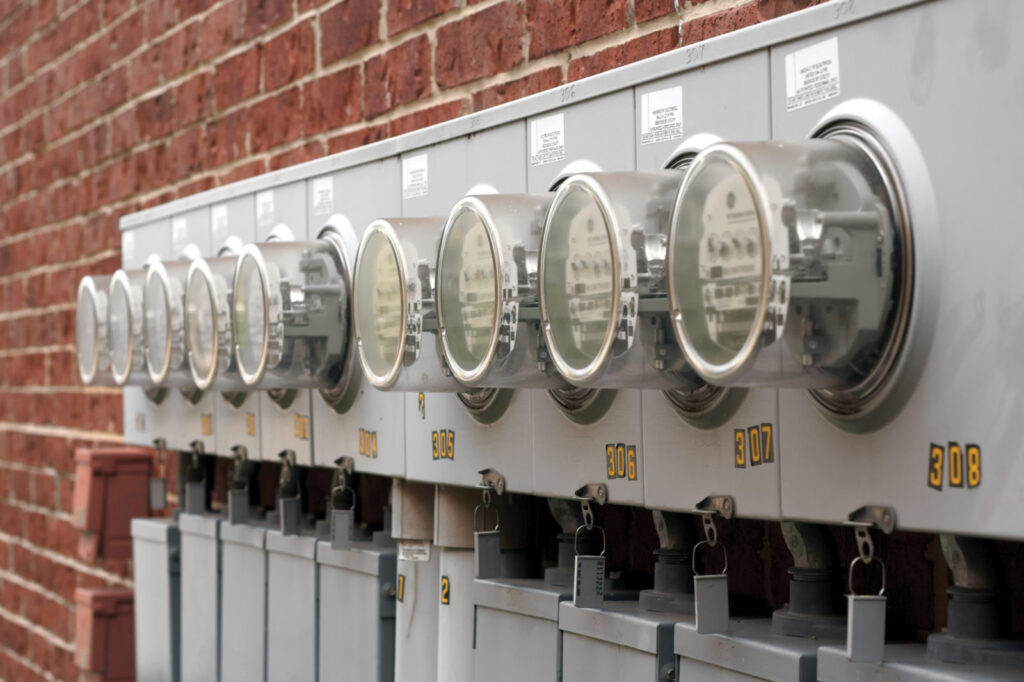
x: 718, y: 264
x: 578, y: 282
x: 87, y: 330
x: 468, y: 293
x: 156, y: 303
x: 380, y: 314
x: 250, y: 322
x: 120, y: 323
x: 201, y: 320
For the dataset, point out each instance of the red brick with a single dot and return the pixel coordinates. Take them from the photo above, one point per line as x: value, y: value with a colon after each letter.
x: 160, y: 17
x: 155, y: 116
x: 405, y: 13
x: 332, y: 101
x: 734, y: 19
x: 193, y: 99
x: 482, y: 44
x: 200, y: 184
x: 557, y: 24
x: 397, y: 77
x: 112, y: 9
x: 626, y: 53
x: 261, y: 15
x: 225, y: 139
x: 428, y: 117
x: 275, y: 120
x: 347, y: 28
x: 237, y: 78
x: 126, y: 36
x: 184, y: 154
x: 242, y: 171
x: 511, y: 90
x: 357, y: 138
x: 289, y: 56
x: 645, y: 10
x: 151, y: 171
x: 307, y: 152
x: 221, y: 29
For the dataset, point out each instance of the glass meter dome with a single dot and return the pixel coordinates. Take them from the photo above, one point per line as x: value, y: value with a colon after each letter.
x: 163, y: 309
x: 289, y: 314
x: 125, y: 327
x: 208, y: 321
x: 393, y: 303
x: 486, y: 291
x: 92, y: 347
x: 789, y: 265
x: 602, y: 259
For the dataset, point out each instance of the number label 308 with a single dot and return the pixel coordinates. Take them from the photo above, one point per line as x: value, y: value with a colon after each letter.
x: 963, y: 468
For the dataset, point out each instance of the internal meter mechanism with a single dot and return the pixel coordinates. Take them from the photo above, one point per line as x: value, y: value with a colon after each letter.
x: 290, y: 314
x: 789, y: 266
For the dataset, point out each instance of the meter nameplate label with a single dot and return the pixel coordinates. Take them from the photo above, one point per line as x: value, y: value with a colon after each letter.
x: 547, y: 140
x: 265, y: 208
x: 179, y: 234
x: 128, y: 246
x: 661, y: 115
x: 323, y: 196
x: 414, y: 551
x: 219, y: 223
x: 812, y: 74
x: 414, y: 176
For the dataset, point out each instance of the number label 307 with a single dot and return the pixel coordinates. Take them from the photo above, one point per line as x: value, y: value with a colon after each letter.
x: 754, y: 445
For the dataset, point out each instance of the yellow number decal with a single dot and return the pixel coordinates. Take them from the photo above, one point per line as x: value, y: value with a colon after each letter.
x: 739, y: 450
x: 451, y: 445
x: 620, y: 460
x: 140, y: 421
x: 973, y: 465
x: 206, y: 424
x: 422, y: 403
x: 250, y: 424
x: 446, y: 587
x: 400, y: 592
x: 767, y: 444
x: 755, y: 445
x: 433, y: 437
x: 631, y: 462
x: 956, y: 466
x: 935, y: 457
x: 373, y: 444
x: 301, y: 427
x: 609, y: 453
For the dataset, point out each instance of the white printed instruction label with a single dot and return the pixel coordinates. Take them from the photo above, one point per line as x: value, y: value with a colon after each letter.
x: 415, y: 181
x: 547, y: 140
x: 219, y: 223
x: 128, y: 246
x: 812, y: 74
x: 265, y: 208
x: 661, y: 115
x: 179, y: 233
x: 323, y: 196
x: 414, y: 551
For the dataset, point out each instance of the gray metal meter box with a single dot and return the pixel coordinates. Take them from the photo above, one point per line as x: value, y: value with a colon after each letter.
x: 905, y: 663
x: 573, y: 428
x: 292, y: 595
x: 748, y: 651
x: 484, y: 428
x: 358, y: 587
x: 516, y: 631
x: 368, y: 427
x: 192, y: 413
x: 236, y: 416
x: 616, y: 642
x: 416, y: 611
x: 455, y: 659
x: 243, y: 602
x: 939, y: 443
x: 284, y: 426
x: 702, y: 440
x: 200, y: 596
x: 156, y: 577
x: 144, y: 419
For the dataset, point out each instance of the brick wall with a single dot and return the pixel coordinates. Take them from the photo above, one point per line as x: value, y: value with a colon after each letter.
x: 107, y: 106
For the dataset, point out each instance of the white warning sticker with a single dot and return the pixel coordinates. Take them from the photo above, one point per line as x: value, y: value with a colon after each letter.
x: 127, y: 246
x: 323, y: 196
x: 661, y: 115
x: 547, y: 140
x: 812, y: 74
x: 415, y: 181
x: 219, y: 223
x: 179, y: 233
x: 265, y: 208
x: 414, y: 551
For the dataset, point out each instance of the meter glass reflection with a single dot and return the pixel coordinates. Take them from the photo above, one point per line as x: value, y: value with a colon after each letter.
x: 577, y: 286
x: 718, y: 254
x: 468, y: 291
x: 157, y: 325
x: 122, y: 324
x: 380, y: 317
x: 200, y: 318
x: 86, y: 332
x: 250, y: 315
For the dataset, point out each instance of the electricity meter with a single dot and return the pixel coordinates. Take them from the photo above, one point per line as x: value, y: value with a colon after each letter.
x: 163, y: 309
x: 290, y: 314
x: 487, y: 291
x: 602, y: 259
x: 394, y: 305
x: 125, y: 328
x: 789, y: 265
x: 208, y: 335
x: 91, y: 345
